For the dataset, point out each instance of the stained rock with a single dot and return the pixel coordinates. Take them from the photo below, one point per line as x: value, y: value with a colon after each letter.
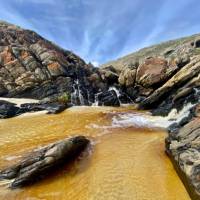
x: 153, y: 72
x: 43, y: 161
x: 182, y: 76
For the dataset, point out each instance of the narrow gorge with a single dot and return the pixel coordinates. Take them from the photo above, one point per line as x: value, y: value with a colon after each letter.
x: 70, y: 129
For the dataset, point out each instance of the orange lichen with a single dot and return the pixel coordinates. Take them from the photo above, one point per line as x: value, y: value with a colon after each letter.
x: 54, y: 66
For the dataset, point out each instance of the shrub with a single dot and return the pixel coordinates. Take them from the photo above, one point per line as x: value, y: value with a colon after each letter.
x: 64, y: 98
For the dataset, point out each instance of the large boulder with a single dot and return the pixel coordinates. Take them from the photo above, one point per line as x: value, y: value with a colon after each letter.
x: 183, y: 76
x: 43, y: 161
x: 153, y: 72
x: 108, y: 98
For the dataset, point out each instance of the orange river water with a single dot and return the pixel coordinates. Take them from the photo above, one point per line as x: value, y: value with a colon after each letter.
x: 123, y: 162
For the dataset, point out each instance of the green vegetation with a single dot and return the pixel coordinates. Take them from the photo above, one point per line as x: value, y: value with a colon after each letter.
x: 64, y: 98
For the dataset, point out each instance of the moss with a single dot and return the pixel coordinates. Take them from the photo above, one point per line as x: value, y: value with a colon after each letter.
x: 64, y: 98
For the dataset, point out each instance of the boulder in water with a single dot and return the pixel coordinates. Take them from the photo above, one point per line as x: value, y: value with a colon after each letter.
x: 43, y: 161
x: 108, y: 98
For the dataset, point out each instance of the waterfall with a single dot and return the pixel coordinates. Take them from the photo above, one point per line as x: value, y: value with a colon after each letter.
x: 120, y: 94
x: 77, y: 97
x: 117, y: 93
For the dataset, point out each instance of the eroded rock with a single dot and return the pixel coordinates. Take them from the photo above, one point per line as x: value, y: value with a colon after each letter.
x: 42, y: 161
x: 182, y: 146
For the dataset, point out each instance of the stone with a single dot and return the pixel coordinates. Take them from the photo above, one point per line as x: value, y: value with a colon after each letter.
x: 127, y: 77
x: 41, y: 162
x: 153, y: 72
x: 8, y: 109
x: 185, y: 74
x: 182, y: 146
x: 108, y: 98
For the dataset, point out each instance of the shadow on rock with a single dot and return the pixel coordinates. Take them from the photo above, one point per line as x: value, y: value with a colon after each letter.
x: 43, y: 161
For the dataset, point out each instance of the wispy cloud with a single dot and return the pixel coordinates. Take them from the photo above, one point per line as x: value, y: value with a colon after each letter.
x: 36, y: 1
x: 103, y: 30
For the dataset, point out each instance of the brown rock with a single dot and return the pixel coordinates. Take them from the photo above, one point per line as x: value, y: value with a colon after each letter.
x: 153, y: 72
x: 44, y: 160
x: 127, y: 77
x: 182, y: 76
x: 183, y: 149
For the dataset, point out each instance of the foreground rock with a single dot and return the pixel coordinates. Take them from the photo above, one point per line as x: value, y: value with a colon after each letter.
x: 42, y: 161
x: 182, y: 146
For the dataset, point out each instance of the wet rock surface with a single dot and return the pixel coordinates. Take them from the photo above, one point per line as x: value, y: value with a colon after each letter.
x: 8, y: 110
x: 108, y: 98
x: 44, y: 161
x: 182, y: 146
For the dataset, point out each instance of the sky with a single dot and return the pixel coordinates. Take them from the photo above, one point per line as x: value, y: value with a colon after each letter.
x: 103, y: 30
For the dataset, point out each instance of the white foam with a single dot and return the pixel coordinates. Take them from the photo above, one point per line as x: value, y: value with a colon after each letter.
x: 142, y: 120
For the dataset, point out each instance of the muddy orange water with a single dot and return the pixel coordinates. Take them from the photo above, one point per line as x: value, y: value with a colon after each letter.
x: 123, y: 163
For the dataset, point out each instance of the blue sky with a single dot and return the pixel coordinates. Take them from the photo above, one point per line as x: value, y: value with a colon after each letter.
x: 103, y: 30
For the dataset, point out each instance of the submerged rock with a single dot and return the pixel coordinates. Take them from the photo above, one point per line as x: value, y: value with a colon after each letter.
x: 44, y: 160
x: 52, y: 108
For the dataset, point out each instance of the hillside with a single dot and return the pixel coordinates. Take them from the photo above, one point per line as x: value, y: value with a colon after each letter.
x: 172, y: 48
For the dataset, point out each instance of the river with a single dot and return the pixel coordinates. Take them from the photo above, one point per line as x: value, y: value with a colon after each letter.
x: 125, y: 161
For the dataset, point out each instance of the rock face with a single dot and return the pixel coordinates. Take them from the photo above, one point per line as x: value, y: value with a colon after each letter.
x: 182, y: 146
x: 33, y: 67
x: 43, y: 161
x: 161, y: 76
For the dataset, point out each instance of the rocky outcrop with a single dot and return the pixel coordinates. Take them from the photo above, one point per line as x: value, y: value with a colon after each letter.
x: 32, y: 67
x: 161, y: 77
x: 43, y: 161
x: 184, y: 75
x: 182, y: 146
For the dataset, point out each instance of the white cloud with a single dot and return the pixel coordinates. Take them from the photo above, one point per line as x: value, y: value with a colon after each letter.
x: 51, y: 2
x: 95, y: 63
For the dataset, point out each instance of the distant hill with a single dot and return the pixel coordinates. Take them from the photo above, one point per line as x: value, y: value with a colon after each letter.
x: 172, y: 48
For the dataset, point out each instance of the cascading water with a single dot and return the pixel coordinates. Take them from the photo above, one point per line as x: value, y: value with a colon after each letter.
x: 96, y: 101
x: 77, y: 97
x: 117, y: 93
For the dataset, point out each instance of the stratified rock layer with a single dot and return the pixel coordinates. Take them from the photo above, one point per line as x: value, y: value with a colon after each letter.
x: 33, y: 67
x: 182, y: 146
x: 43, y: 161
